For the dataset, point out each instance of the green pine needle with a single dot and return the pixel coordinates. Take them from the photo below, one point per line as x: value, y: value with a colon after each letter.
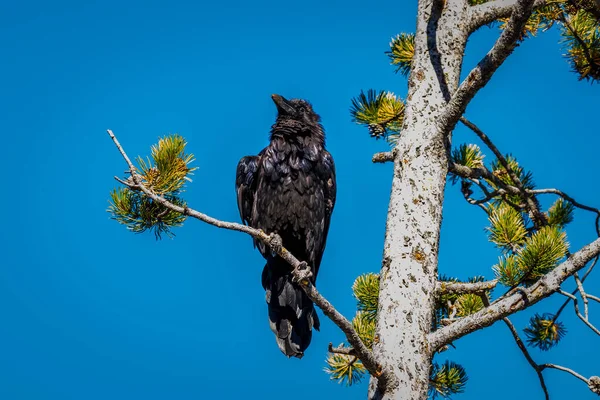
x: 345, y: 369
x: 164, y: 173
x: 402, y: 51
x: 508, y: 271
x: 382, y: 113
x: 544, y: 332
x: 581, y: 36
x: 139, y: 213
x: 169, y: 168
x: 507, y: 229
x: 541, y: 252
x: 365, y: 328
x: 366, y: 292
x: 525, y: 177
x: 468, y: 155
x: 561, y: 213
x: 447, y: 379
x: 467, y: 304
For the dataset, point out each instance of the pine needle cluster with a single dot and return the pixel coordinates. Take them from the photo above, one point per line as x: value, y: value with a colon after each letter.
x: 164, y: 173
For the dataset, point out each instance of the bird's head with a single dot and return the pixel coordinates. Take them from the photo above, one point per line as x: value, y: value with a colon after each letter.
x: 296, y: 117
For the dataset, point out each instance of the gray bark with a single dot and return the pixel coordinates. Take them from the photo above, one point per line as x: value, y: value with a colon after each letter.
x: 409, y: 271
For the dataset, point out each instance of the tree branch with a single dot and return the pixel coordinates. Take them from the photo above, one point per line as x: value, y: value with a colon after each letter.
x: 486, y: 13
x: 575, y: 374
x: 543, y: 288
x: 464, y: 287
x: 300, y: 271
x: 384, y: 157
x: 481, y: 74
x: 581, y: 317
x: 523, y: 349
x: 538, y: 217
x: 348, y: 351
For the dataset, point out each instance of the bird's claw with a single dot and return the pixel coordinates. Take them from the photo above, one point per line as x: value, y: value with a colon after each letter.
x: 302, y: 273
x: 275, y: 243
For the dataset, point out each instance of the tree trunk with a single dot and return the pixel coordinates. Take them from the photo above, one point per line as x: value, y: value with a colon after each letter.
x: 410, y: 257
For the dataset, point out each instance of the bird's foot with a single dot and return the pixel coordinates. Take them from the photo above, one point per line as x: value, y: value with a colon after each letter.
x: 302, y: 273
x: 275, y: 243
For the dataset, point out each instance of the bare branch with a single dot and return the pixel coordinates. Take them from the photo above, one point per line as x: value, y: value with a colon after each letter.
x: 463, y: 288
x: 576, y: 306
x: 299, y: 269
x: 384, y: 157
x: 482, y: 73
x: 575, y: 374
x: 544, y: 287
x: 583, y: 295
x: 525, y: 352
x: 483, y: 14
x: 349, y: 351
x: 587, y: 273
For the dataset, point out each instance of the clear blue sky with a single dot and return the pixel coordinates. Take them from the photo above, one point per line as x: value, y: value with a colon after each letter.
x: 92, y: 311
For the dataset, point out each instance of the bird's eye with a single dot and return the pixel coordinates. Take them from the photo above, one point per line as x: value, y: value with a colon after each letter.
x: 302, y: 109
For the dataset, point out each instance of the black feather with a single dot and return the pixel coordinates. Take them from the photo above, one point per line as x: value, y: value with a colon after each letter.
x: 290, y: 189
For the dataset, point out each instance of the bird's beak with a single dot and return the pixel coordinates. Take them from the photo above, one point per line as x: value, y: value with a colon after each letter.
x: 283, y: 106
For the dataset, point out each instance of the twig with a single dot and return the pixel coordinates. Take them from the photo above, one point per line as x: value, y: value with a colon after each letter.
x: 575, y: 374
x: 299, y: 269
x: 575, y: 305
x: 464, y: 287
x: 538, y: 217
x: 587, y: 273
x: 544, y: 287
x: 572, y: 201
x: 583, y: 295
x: 349, y: 351
x: 525, y: 352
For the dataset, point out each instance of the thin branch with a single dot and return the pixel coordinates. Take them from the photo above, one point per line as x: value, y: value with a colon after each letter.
x: 583, y: 296
x: 464, y: 287
x: 575, y: 374
x: 576, y: 306
x: 486, y: 13
x: 572, y: 201
x: 544, y: 287
x: 560, y: 310
x: 525, y: 352
x: 539, y: 217
x: 349, y: 351
x: 300, y: 270
x: 482, y: 73
x: 384, y: 157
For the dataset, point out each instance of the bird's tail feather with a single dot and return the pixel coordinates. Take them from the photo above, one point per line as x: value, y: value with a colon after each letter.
x: 292, y: 315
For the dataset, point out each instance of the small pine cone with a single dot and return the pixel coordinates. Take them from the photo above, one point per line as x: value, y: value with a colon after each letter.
x: 376, y: 130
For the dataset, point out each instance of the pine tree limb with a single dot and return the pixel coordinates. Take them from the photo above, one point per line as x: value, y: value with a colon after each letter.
x: 488, y: 12
x: 587, y: 273
x: 384, y: 157
x: 544, y: 287
x: 300, y: 270
x: 525, y: 352
x: 482, y: 73
x: 464, y: 287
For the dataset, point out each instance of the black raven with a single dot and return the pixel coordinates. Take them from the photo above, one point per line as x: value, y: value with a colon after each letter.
x: 289, y: 189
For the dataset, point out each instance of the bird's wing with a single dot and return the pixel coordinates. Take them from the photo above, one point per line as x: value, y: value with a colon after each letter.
x: 245, y: 186
x: 327, y: 175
